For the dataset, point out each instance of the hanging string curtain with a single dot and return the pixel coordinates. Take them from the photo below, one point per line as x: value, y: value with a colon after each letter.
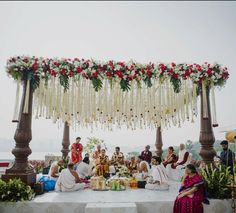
x: 88, y: 92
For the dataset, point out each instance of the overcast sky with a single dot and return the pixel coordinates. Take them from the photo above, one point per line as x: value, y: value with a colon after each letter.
x: 144, y: 31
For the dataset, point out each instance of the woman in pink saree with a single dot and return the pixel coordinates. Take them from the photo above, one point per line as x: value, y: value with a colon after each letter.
x: 191, y: 194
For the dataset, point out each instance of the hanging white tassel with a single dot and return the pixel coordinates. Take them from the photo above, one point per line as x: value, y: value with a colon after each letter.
x: 16, y: 108
x: 26, y: 104
x: 214, y: 117
x: 204, y: 101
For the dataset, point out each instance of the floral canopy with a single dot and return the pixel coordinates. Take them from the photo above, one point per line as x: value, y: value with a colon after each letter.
x: 88, y: 92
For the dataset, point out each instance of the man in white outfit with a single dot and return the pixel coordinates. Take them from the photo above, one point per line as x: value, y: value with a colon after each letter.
x: 83, y: 168
x: 157, y: 177
x: 69, y: 180
x: 54, y: 169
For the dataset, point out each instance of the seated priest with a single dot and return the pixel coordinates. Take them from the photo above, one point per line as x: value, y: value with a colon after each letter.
x: 102, y: 164
x: 142, y: 168
x: 175, y: 171
x: 117, y: 157
x: 84, y: 169
x: 69, y: 180
x: 54, y: 169
x: 157, y: 178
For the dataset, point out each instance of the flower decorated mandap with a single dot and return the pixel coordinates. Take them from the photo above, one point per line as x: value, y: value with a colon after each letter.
x: 89, y: 93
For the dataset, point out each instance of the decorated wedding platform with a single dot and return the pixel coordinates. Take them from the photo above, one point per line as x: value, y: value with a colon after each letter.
x: 83, y: 93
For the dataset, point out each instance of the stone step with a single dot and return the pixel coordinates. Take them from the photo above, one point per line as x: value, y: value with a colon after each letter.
x: 111, y: 207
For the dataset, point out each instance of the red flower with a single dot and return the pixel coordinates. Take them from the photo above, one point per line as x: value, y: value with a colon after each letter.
x: 35, y: 65
x: 149, y: 72
x: 199, y: 68
x: 53, y: 73
x: 170, y: 70
x: 132, y: 67
x: 119, y: 73
x: 173, y: 64
x: 129, y: 78
x: 162, y: 66
x: 95, y: 74
x: 209, y: 71
x: 109, y: 74
x: 79, y: 69
x: 175, y: 75
x: 63, y: 72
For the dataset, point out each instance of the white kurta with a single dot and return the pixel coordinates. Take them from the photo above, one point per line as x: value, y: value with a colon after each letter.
x: 83, y: 169
x: 66, y: 182
x: 157, y: 173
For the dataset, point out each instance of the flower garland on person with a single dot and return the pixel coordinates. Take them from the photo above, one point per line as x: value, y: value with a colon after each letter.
x: 92, y: 92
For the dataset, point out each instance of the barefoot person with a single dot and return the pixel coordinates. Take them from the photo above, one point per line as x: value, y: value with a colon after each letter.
x: 191, y: 194
x: 76, y: 151
x: 69, y: 180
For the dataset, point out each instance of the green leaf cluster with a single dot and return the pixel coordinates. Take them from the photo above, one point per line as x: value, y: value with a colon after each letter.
x: 217, y: 178
x: 15, y: 190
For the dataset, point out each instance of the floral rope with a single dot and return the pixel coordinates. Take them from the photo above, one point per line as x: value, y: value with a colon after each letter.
x: 87, y: 92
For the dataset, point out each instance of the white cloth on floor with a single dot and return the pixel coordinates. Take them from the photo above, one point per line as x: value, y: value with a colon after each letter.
x: 66, y: 182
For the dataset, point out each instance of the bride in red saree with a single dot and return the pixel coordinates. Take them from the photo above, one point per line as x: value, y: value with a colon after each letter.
x: 191, y: 194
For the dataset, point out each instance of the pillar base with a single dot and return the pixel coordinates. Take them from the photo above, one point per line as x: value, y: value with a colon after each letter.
x: 29, y: 179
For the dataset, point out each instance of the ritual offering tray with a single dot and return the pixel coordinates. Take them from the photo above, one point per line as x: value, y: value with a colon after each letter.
x: 99, y: 184
x: 117, y: 185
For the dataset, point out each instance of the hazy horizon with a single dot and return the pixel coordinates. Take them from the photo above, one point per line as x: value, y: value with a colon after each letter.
x: 143, y: 31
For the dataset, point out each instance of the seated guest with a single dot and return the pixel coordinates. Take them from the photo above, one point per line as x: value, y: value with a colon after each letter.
x: 191, y: 194
x: 147, y: 154
x: 170, y: 157
x: 117, y: 157
x: 102, y: 163
x: 133, y: 165
x: 175, y: 171
x: 97, y: 152
x: 142, y: 168
x: 54, y: 169
x: 69, y: 180
x: 182, y: 157
x: 83, y: 169
x: 157, y: 177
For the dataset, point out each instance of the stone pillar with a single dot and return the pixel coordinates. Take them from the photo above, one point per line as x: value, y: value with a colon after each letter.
x: 21, y: 168
x: 207, y: 137
x: 158, y: 142
x: 66, y: 140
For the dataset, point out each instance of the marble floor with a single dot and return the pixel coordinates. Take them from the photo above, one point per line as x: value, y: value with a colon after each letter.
x: 135, y: 200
